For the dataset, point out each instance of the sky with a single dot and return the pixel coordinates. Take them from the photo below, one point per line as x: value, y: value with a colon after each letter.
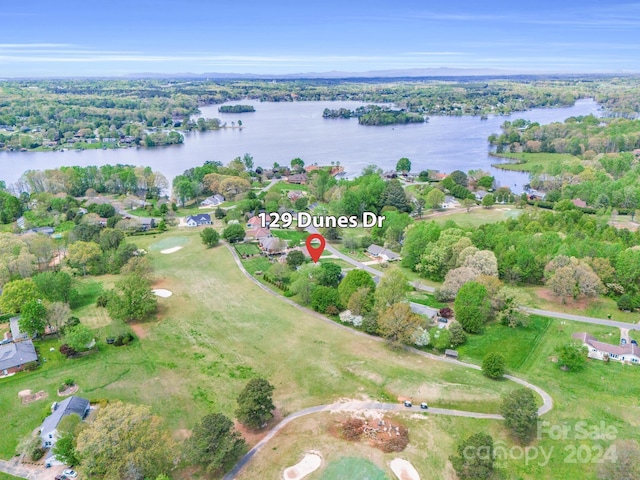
x: 80, y: 38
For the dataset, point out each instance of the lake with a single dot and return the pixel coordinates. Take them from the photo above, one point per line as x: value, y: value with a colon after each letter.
x: 279, y: 132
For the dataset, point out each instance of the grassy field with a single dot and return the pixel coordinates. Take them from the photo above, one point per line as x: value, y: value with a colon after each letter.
x: 478, y: 216
x: 217, y: 331
x: 248, y: 249
x: 258, y: 264
x: 341, y: 263
x: 6, y: 476
x: 293, y: 237
x: 553, y: 163
x: 425, y: 299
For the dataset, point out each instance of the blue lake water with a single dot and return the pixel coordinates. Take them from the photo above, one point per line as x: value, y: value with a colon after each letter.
x: 278, y: 132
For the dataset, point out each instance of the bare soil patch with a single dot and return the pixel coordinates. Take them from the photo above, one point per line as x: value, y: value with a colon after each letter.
x: 579, y: 303
x: 252, y: 436
x: 140, y: 329
x: 27, y: 397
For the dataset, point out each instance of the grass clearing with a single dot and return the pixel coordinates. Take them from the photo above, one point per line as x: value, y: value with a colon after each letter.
x: 352, y: 467
x: 168, y: 242
x: 293, y: 237
x: 553, y: 163
x: 426, y: 299
x: 248, y: 249
x: 478, y: 216
x: 338, y: 261
x: 259, y: 264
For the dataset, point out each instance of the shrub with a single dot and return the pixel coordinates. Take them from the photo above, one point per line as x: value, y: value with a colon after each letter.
x: 493, y: 365
x: 67, y: 351
x: 446, y: 312
x: 102, y: 300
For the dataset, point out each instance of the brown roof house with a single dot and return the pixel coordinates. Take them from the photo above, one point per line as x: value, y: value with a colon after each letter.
x: 628, y: 353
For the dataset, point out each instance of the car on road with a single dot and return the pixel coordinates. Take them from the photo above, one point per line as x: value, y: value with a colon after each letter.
x: 424, y: 405
x: 407, y: 403
x: 70, y: 473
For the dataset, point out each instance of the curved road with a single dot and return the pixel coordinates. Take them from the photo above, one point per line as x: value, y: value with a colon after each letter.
x: 547, y: 404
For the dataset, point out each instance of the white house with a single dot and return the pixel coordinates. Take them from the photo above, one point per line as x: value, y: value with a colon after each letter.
x: 212, y: 201
x: 197, y: 220
x: 69, y: 406
x: 629, y: 353
x: 382, y: 253
x: 450, y: 202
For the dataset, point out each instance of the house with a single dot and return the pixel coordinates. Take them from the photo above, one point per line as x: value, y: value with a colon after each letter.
x: 212, y: 201
x: 41, y: 230
x: 257, y: 233
x: 256, y: 222
x: 298, y: 178
x: 629, y: 353
x: 146, y: 224
x: 579, y: 203
x: 451, y: 353
x: 428, y: 312
x: 480, y: 194
x: 16, y: 334
x: 14, y: 356
x: 272, y: 245
x: 437, y: 176
x: 294, y: 195
x: 450, y: 202
x: 382, y: 253
x: 72, y: 405
x: 197, y: 220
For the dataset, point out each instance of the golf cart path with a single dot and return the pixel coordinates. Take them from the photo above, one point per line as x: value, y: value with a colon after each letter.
x: 355, y: 406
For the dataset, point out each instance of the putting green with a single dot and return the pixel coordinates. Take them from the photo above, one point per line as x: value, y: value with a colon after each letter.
x: 350, y: 468
x: 170, y: 242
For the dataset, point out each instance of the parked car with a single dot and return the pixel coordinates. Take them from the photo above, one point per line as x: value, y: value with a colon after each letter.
x: 61, y: 477
x: 443, y: 320
x: 407, y: 403
x: 424, y: 405
x: 633, y: 342
x: 623, y: 341
x: 70, y: 473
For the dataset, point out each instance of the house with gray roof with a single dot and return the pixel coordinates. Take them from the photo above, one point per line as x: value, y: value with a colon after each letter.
x: 16, y: 333
x: 628, y: 353
x: 199, y: 219
x: 69, y: 406
x: 14, y: 356
x: 382, y: 253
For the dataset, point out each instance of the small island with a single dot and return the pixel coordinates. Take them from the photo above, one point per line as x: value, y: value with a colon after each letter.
x: 376, y: 115
x: 236, y: 109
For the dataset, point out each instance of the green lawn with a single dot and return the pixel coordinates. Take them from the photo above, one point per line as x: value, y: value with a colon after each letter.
x: 426, y: 299
x: 168, y: 242
x: 478, y: 216
x: 293, y: 237
x: 284, y: 187
x: 254, y: 265
x: 350, y: 468
x: 248, y: 249
x: 341, y: 263
x: 553, y: 163
x: 6, y: 476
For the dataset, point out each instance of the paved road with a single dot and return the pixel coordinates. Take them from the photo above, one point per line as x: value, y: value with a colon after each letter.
x: 547, y: 404
x: 581, y: 318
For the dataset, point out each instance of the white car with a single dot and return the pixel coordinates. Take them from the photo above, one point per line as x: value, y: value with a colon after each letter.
x: 70, y: 473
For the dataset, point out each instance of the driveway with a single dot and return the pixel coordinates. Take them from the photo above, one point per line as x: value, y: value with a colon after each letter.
x: 32, y: 472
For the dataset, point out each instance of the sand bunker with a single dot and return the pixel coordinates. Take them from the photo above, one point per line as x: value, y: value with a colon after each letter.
x: 309, y: 464
x: 403, y: 469
x: 161, y: 292
x: 170, y: 250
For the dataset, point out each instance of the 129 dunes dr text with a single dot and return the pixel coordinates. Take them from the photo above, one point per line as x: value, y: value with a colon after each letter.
x: 304, y: 219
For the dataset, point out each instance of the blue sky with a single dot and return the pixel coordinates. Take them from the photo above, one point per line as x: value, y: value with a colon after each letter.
x: 71, y: 37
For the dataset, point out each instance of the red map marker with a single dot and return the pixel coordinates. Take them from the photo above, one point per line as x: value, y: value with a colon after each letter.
x: 315, y: 252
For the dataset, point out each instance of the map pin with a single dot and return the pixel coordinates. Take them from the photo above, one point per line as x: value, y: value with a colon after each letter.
x: 315, y: 252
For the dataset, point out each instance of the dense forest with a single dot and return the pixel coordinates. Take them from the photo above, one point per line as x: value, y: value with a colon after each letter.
x: 375, y: 115
x: 236, y: 109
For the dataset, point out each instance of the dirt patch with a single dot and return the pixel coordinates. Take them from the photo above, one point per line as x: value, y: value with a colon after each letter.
x: 140, y: 329
x: 181, y: 434
x: 29, y: 397
x: 403, y: 469
x: 381, y: 433
x: 68, y: 391
x: 252, y: 436
x: 309, y: 464
x: 579, y: 303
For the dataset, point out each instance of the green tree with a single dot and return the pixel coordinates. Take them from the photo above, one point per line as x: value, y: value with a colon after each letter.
x: 295, y: 258
x: 458, y: 335
x: 416, y: 238
x: 361, y: 301
x: 520, y: 414
x: 233, y: 233
x: 125, y: 441
x: 353, y: 281
x: 572, y: 356
x: 475, y: 457
x: 82, y: 254
x: 403, y: 165
x: 325, y: 300
x: 493, y: 365
x: 440, y: 338
x: 468, y: 203
x: 435, y: 199
x: 395, y: 196
x: 215, y: 444
x: 398, y: 324
x: 392, y: 289
x: 33, y: 318
x: 472, y: 306
x: 488, y: 200
x: 17, y: 293
x: 132, y: 299
x: 459, y: 178
x: 10, y: 208
x: 328, y: 275
x: 78, y: 337
x: 55, y: 286
x: 255, y: 403
x: 65, y: 449
x: 209, y: 237
x: 297, y: 164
